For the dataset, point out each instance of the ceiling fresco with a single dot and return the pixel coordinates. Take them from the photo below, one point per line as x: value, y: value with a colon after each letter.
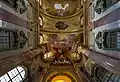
x: 60, y: 36
x: 60, y: 49
x: 71, y: 26
x: 60, y: 8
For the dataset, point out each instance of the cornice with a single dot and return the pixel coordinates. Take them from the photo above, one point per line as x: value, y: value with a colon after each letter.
x: 58, y: 32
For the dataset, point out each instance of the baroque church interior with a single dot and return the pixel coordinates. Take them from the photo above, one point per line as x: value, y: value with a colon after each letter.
x: 59, y: 41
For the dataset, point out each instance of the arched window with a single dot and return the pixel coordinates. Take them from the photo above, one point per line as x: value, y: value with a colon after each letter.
x: 40, y: 2
x: 103, y: 75
x: 41, y: 39
x: 41, y: 21
x: 17, y: 74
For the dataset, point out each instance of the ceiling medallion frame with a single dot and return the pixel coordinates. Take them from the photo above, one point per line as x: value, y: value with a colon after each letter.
x: 61, y: 25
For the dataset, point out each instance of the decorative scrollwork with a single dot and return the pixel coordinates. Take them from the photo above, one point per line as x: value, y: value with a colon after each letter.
x: 99, y: 6
x: 22, y: 39
x: 17, y: 5
x: 99, y: 40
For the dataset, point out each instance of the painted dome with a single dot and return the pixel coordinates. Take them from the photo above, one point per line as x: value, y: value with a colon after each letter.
x: 61, y: 8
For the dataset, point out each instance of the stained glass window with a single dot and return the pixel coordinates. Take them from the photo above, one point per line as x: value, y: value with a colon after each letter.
x: 15, y: 75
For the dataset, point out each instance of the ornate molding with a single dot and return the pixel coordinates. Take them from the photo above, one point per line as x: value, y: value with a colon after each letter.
x: 58, y: 32
x: 17, y: 5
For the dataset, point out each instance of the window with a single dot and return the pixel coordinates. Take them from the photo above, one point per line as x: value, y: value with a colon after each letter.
x: 40, y: 21
x: 81, y: 2
x: 58, y: 6
x: 112, y: 39
x: 109, y: 3
x: 29, y: 39
x: 1, y: 23
x: 15, y: 75
x: 92, y: 39
x: 29, y: 12
x: 102, y: 75
x: 118, y: 39
x: 8, y: 40
x: 41, y: 39
x: 81, y: 21
x: 92, y: 12
x: 40, y: 2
